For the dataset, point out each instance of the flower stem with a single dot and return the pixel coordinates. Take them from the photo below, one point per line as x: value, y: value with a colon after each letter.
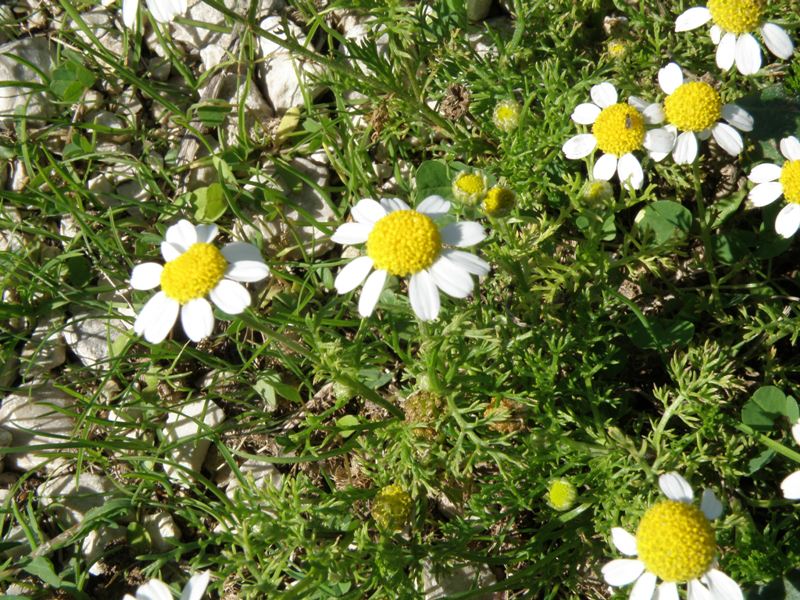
x: 705, y: 233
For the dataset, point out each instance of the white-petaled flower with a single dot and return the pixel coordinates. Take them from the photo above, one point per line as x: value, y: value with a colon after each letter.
x: 734, y: 22
x: 791, y: 485
x: 773, y: 180
x: 618, y: 130
x: 163, y: 11
x: 674, y: 543
x: 194, y: 269
x: 695, y: 109
x: 470, y: 186
x: 407, y: 242
x: 155, y: 589
x: 506, y: 115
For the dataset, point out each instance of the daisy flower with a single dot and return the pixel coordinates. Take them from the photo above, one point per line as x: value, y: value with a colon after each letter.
x: 773, y: 180
x: 506, y: 115
x: 470, y: 187
x: 675, y: 543
x: 407, y: 242
x: 618, y: 130
x: 695, y: 109
x: 156, y: 589
x: 734, y: 22
x: 791, y: 485
x: 163, y: 11
x: 194, y: 268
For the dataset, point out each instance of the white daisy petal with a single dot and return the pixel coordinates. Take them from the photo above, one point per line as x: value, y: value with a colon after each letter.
x: 463, y: 234
x: 726, y: 51
x: 638, y: 103
x: 692, y: 18
x: 796, y: 432
x: 181, y: 235
x: 467, y: 261
x: 236, y: 251
x: 675, y: 487
x: 644, y: 588
x: 586, y: 113
x: 710, y: 505
x: 424, y: 296
x: 622, y: 571
x: 668, y: 591
x: 748, y: 54
x: 790, y: 148
x: 164, y: 11
x: 247, y: 271
x: 728, y: 138
x: 697, y: 591
x: 146, y: 276
x: 764, y: 173
x: 660, y: 141
x: 197, y: 319
x: 351, y: 233
x: 434, y: 206
x: 206, y: 233
x: 451, y: 278
x: 716, y: 34
x: 371, y: 292
x: 368, y: 211
x: 670, y: 78
x: 393, y: 204
x: 738, y: 117
x: 129, y: 9
x: 353, y: 274
x: 777, y: 41
x: 153, y: 590
x: 170, y: 251
x: 231, y: 297
x: 788, y: 220
x: 605, y: 167
x: 157, y: 318
x: 603, y: 94
x: 653, y: 114
x: 791, y: 486
x: 723, y: 587
x: 196, y: 586
x: 630, y: 172
x: 579, y: 146
x: 624, y: 541
x: 685, y: 151
x: 765, y: 193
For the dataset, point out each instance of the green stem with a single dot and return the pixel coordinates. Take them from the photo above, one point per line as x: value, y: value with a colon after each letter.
x: 705, y: 233
x: 768, y: 442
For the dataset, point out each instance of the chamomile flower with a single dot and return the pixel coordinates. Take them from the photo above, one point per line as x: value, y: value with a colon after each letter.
x: 734, y: 22
x: 194, y: 269
x: 498, y: 201
x: 506, y: 115
x: 618, y: 130
x: 791, y: 485
x: 162, y: 11
x: 470, y: 187
x: 407, y: 242
x: 773, y: 180
x: 674, y: 543
x: 695, y: 108
x: 155, y: 589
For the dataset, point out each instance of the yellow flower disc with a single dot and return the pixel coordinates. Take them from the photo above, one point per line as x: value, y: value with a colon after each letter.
x: 404, y: 242
x: 561, y: 494
x: 790, y: 180
x: 737, y: 16
x: 675, y: 541
x: 694, y: 106
x: 391, y: 507
x: 194, y: 273
x: 498, y: 201
x: 470, y: 184
x: 619, y: 129
x: 506, y: 115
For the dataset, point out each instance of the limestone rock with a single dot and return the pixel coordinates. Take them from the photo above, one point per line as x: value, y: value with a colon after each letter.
x: 45, y: 350
x: 72, y: 496
x: 188, y: 423
x: 262, y: 473
x: 482, y: 42
x: 163, y: 531
x: 449, y: 581
x: 101, y: 23
x: 34, y: 416
x: 38, y: 52
x: 90, y: 336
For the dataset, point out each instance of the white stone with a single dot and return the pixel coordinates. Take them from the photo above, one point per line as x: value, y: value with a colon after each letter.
x: 45, y: 350
x: 95, y: 543
x: 92, y: 335
x: 72, y: 496
x: 163, y: 531
x: 283, y: 76
x: 38, y: 52
x: 102, y: 188
x: 255, y: 111
x: 10, y: 239
x: 482, y: 42
x: 19, y: 174
x: 133, y: 190
x: 32, y: 417
x: 190, y: 423
x: 262, y: 474
x: 449, y: 581
x: 101, y: 23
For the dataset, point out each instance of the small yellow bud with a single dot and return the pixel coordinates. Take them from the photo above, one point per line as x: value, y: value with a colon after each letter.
x: 561, y: 494
x: 498, y: 202
x: 391, y: 508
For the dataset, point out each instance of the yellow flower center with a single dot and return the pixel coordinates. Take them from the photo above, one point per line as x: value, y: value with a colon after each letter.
x: 790, y: 181
x: 617, y: 49
x: 694, y: 106
x: 561, y: 494
x: 737, y: 16
x: 506, y: 115
x: 391, y: 507
x: 194, y: 273
x: 619, y: 129
x: 675, y: 541
x: 498, y: 201
x: 470, y: 184
x: 404, y: 242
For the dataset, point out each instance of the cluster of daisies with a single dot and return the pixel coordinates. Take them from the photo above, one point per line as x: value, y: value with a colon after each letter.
x: 692, y: 111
